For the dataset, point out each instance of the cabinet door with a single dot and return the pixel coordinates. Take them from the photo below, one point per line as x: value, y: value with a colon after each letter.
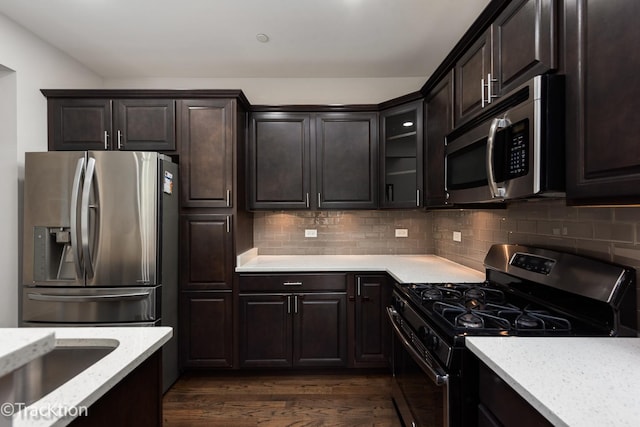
x: 372, y: 333
x: 438, y: 124
x: 470, y: 73
x: 320, y: 329
x: 280, y: 161
x: 603, y: 100
x: 346, y: 160
x: 206, y: 248
x: 79, y: 124
x: 145, y: 125
x: 524, y: 43
x: 401, y: 154
x: 206, y: 138
x: 206, y: 329
x: 266, y: 330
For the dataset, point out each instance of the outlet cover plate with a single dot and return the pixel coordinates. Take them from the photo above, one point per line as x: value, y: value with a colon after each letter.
x: 402, y: 232
x: 457, y: 236
x: 310, y: 232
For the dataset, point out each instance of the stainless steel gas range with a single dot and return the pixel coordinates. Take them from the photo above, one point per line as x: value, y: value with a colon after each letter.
x: 528, y: 292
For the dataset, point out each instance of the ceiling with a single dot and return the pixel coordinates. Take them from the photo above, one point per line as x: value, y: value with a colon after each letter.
x: 217, y: 38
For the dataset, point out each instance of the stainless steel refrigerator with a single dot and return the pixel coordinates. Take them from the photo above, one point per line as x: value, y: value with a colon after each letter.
x: 100, y: 242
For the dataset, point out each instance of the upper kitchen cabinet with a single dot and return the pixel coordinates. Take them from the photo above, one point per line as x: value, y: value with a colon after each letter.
x: 111, y: 124
x: 280, y: 161
x: 301, y: 160
x: 438, y: 124
x: 520, y: 43
x: 206, y: 133
x: 603, y: 100
x: 347, y: 160
x: 401, y: 146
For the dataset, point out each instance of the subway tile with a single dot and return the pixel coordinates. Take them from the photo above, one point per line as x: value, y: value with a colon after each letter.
x: 619, y: 232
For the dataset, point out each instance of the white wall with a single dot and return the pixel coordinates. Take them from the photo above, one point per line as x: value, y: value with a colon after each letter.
x: 281, y: 91
x: 27, y: 64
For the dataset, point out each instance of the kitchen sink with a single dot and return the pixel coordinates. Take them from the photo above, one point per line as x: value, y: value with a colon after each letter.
x: 44, y: 374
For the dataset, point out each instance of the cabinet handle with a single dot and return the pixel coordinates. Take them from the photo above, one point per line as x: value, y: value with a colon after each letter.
x: 119, y: 140
x: 307, y: 200
x: 319, y: 202
x: 292, y: 283
x: 106, y: 140
x: 490, y: 83
x: 289, y: 304
x: 295, y: 304
x: 482, y: 92
x: 359, y: 290
x: 418, y: 198
x: 229, y: 198
x: 228, y: 221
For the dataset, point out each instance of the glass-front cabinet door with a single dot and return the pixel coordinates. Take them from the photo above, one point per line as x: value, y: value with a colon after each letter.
x: 401, y: 136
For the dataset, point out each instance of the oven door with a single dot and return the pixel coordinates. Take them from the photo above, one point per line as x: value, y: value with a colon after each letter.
x: 421, y: 387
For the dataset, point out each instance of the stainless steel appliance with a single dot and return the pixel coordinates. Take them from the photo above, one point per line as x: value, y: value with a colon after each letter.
x: 513, y: 151
x: 528, y: 292
x: 100, y: 242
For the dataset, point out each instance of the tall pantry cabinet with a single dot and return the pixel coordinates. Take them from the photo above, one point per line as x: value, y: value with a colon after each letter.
x: 214, y: 224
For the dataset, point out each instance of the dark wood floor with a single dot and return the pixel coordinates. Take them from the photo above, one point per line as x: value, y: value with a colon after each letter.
x: 280, y: 399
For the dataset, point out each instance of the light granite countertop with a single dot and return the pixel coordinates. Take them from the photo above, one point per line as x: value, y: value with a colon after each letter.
x: 572, y: 381
x: 403, y: 268
x: 58, y: 408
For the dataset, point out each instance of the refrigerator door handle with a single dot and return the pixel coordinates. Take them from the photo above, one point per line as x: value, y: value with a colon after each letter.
x: 89, y: 298
x: 73, y: 209
x: 84, y: 217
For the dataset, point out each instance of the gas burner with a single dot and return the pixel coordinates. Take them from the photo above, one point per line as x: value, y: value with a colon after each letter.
x: 526, y: 321
x: 431, y: 294
x: 474, y: 293
x: 469, y: 320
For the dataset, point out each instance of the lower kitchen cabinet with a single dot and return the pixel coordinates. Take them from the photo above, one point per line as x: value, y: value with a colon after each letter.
x: 295, y: 320
x: 206, y: 330
x: 501, y: 406
x: 134, y: 401
x: 371, y: 325
x: 293, y: 329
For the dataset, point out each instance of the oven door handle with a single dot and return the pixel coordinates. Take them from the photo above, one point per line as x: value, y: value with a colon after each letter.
x: 435, y: 373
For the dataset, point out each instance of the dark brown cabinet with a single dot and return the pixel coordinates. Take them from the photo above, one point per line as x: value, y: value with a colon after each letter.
x: 290, y: 321
x: 111, y: 124
x: 438, y: 124
x: 206, y: 253
x: 401, y: 144
x: 521, y: 43
x: 206, y: 134
x: 347, y: 160
x: 371, y: 332
x: 603, y: 100
x: 313, y: 160
x: 206, y: 329
x: 500, y: 405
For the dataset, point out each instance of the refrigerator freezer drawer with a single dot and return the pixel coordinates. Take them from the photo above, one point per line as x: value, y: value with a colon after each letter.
x: 86, y: 305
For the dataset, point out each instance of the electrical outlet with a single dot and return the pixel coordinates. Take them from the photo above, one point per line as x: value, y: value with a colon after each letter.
x: 310, y: 232
x: 402, y: 232
x: 457, y: 236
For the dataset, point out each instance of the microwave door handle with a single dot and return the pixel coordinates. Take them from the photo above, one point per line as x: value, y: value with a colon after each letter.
x: 496, y: 192
x: 84, y: 216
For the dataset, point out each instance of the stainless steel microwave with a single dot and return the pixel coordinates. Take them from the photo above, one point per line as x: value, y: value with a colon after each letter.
x: 515, y: 150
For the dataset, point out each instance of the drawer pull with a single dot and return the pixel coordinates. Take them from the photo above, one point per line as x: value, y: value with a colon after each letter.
x: 292, y: 283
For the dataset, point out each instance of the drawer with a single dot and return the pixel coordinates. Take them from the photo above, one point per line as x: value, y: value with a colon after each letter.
x: 293, y: 282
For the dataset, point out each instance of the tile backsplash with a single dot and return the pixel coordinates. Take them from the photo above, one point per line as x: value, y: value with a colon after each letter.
x: 342, y: 232
x: 608, y: 233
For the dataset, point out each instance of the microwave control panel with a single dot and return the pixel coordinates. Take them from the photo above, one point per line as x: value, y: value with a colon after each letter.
x: 517, y: 149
